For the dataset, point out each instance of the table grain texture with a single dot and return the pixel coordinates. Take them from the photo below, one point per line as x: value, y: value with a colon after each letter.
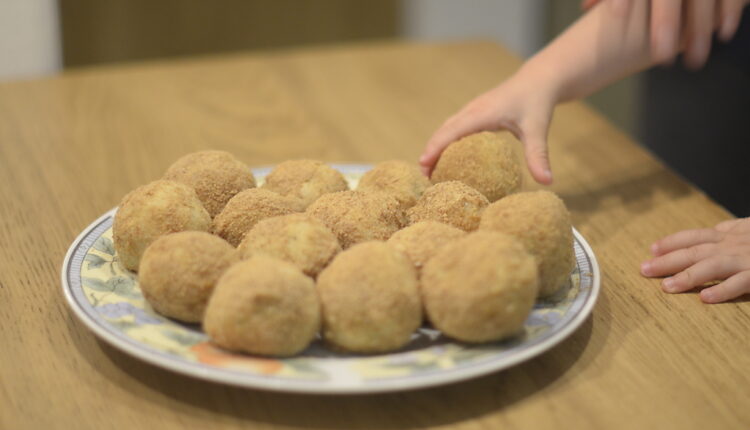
x: 73, y: 145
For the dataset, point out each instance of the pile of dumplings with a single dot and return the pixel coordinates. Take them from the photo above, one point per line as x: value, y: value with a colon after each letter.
x: 267, y: 269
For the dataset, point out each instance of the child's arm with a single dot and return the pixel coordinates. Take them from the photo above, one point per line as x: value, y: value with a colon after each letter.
x: 609, y: 42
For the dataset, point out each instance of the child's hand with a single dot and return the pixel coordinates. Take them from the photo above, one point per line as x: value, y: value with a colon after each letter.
x: 696, y: 257
x: 601, y: 47
x: 520, y: 105
x: 687, y: 26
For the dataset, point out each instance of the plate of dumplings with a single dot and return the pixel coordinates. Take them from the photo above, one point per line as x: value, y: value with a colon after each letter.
x: 323, y: 278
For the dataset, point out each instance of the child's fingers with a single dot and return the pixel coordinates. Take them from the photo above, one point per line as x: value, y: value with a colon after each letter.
x: 453, y: 129
x: 588, y: 4
x: 666, y: 16
x: 677, y: 261
x: 730, y: 12
x: 727, y: 225
x: 699, y: 21
x: 685, y: 239
x: 715, y: 268
x: 732, y: 288
x: 467, y: 121
x: 736, y: 227
x: 480, y: 114
x: 537, y: 155
x: 435, y: 146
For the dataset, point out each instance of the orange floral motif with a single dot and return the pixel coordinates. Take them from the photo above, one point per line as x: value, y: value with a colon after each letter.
x: 209, y: 354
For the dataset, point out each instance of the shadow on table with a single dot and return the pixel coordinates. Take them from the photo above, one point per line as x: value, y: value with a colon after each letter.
x: 420, y: 408
x: 636, y: 192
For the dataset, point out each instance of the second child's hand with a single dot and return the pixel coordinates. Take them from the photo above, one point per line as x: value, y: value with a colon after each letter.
x: 692, y: 258
x: 687, y: 26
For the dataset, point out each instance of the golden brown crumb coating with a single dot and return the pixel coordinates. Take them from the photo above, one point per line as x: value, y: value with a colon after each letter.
x: 303, y: 181
x: 480, y: 288
x: 401, y: 179
x: 263, y: 306
x: 540, y: 220
x: 422, y: 240
x: 216, y: 177
x: 178, y: 272
x: 297, y: 238
x: 453, y: 203
x: 153, y: 210
x: 485, y: 161
x: 370, y: 299
x: 245, y: 209
x: 356, y: 216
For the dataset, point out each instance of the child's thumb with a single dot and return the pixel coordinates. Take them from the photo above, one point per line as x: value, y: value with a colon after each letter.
x: 537, y: 156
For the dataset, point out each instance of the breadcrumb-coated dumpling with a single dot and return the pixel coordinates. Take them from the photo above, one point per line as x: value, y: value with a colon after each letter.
x: 401, y: 179
x: 453, y: 203
x: 356, y: 216
x: 216, y: 176
x: 303, y: 181
x: 263, y: 306
x: 420, y: 241
x: 540, y: 220
x: 480, y: 288
x: 245, y: 209
x: 370, y: 299
x: 178, y: 272
x: 297, y: 238
x: 151, y: 211
x: 485, y: 161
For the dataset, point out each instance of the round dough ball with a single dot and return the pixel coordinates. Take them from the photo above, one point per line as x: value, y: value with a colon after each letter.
x: 422, y: 240
x: 245, y: 209
x: 303, y: 181
x: 370, y: 299
x: 480, y: 288
x: 540, y: 220
x: 356, y: 216
x: 297, y: 238
x: 179, y: 272
x: 153, y: 210
x: 263, y: 306
x: 402, y: 180
x: 453, y: 203
x: 485, y: 161
x: 216, y: 177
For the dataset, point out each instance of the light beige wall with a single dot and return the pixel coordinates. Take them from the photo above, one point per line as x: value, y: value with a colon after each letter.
x: 29, y: 38
x: 518, y: 24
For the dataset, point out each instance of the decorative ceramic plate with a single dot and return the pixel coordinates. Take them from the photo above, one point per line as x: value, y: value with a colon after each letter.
x: 107, y: 299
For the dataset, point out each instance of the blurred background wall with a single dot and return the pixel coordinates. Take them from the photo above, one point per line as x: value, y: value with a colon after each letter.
x: 40, y: 36
x: 96, y: 31
x: 29, y: 39
x: 519, y: 25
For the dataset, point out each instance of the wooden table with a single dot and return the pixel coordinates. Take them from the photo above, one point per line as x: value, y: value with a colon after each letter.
x: 71, y: 147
